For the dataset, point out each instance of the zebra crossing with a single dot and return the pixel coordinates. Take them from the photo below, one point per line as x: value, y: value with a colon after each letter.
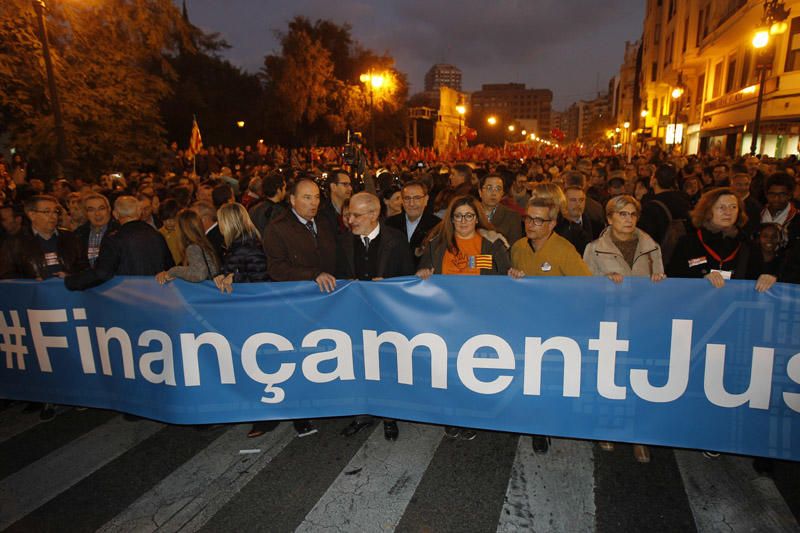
x: 95, y: 471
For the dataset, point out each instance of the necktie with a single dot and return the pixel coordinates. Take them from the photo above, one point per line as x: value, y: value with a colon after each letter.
x: 310, y: 226
x: 366, y: 244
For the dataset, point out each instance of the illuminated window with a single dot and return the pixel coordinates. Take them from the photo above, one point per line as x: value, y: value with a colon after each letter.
x: 793, y: 53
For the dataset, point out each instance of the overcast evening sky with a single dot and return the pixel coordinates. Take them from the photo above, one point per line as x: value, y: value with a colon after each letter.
x: 562, y: 45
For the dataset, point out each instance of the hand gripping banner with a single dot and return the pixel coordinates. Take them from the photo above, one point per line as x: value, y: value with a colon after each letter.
x: 677, y: 363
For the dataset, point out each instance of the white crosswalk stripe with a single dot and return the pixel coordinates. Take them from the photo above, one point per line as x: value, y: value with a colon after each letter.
x: 372, y: 492
x: 190, y: 495
x: 726, y: 494
x: 37, y: 483
x: 553, y: 492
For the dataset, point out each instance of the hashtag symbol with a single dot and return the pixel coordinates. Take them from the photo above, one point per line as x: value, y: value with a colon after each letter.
x: 11, y: 341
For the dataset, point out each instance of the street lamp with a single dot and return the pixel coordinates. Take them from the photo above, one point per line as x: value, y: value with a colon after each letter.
x: 374, y: 81
x: 511, y: 128
x: 492, y: 120
x: 61, y: 146
x: 773, y: 22
x: 676, y: 94
x: 461, y: 110
x: 240, y: 123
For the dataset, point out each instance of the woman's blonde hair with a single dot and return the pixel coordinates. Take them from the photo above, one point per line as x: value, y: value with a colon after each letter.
x: 235, y: 224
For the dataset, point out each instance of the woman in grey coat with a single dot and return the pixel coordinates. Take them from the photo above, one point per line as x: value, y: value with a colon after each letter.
x: 200, y: 261
x: 624, y: 250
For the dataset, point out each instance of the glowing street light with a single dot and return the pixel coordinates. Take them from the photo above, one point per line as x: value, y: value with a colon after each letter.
x: 523, y: 133
x: 240, y: 123
x: 374, y: 81
x: 761, y: 38
x: 491, y: 120
x: 461, y: 109
x: 644, y: 113
x: 511, y: 127
x: 626, y: 125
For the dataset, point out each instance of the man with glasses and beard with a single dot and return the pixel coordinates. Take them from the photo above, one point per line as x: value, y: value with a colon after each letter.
x: 414, y: 222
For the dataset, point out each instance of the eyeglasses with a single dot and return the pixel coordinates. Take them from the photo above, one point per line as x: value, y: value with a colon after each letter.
x: 465, y: 217
x: 48, y: 212
x: 628, y: 214
x: 493, y: 188
x: 536, y: 221
x: 410, y: 199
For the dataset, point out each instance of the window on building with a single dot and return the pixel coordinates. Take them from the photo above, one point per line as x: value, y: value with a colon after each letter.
x: 671, y: 11
x: 685, y: 34
x: 668, y: 47
x: 730, y: 80
x: 701, y: 88
x: 699, y: 37
x: 717, y: 80
x: 654, y: 71
x: 654, y: 107
x: 793, y: 52
x: 744, y: 79
x: 657, y: 34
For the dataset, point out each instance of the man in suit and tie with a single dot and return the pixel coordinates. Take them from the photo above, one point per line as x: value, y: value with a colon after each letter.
x: 504, y: 220
x: 414, y: 222
x: 373, y: 251
x: 301, y: 246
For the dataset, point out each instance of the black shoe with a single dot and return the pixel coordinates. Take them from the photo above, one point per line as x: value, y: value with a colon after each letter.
x: 390, y: 430
x: 47, y: 413
x: 452, y: 432
x: 467, y: 434
x: 304, y: 428
x: 540, y: 444
x: 355, y: 426
x: 763, y: 465
x: 33, y: 407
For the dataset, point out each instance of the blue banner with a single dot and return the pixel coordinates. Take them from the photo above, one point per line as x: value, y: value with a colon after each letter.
x: 676, y: 363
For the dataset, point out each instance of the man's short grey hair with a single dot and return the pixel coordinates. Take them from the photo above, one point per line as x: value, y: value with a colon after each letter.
x: 367, y: 198
x: 127, y: 207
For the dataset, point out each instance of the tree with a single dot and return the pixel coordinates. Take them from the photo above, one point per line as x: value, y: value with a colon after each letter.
x: 112, y: 72
x: 314, y: 90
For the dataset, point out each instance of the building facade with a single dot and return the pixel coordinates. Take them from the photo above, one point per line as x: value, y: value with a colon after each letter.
x: 704, y: 49
x: 512, y: 102
x: 443, y: 75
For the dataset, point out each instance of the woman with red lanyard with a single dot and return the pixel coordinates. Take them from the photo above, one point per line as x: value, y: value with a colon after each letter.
x: 715, y: 249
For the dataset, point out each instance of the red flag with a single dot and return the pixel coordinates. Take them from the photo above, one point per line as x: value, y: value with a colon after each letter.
x: 195, y: 141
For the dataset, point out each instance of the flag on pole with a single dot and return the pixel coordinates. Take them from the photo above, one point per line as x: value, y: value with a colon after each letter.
x: 195, y: 141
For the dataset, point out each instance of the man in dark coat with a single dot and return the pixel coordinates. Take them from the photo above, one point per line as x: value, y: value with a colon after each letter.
x: 655, y: 220
x: 372, y: 251
x: 98, y: 224
x: 414, y: 222
x: 301, y: 246
x: 42, y: 250
x: 505, y: 221
x: 135, y: 249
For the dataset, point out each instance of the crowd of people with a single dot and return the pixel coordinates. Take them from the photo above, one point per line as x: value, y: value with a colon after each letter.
x: 262, y: 214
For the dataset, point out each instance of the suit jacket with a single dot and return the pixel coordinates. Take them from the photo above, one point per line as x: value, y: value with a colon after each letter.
x: 82, y: 233
x: 426, y: 223
x: 22, y: 256
x: 293, y: 253
x: 217, y: 241
x: 135, y: 249
x: 508, y: 223
x: 394, y: 257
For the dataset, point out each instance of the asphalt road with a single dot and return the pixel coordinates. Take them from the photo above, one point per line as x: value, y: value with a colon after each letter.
x: 94, y: 471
